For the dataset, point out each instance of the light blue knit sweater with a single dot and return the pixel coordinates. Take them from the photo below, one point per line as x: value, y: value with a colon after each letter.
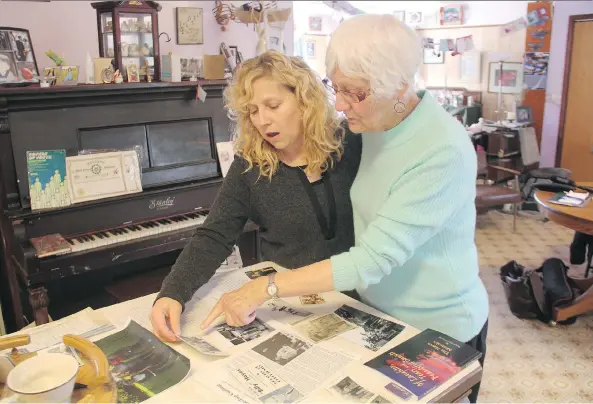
x: 414, y: 222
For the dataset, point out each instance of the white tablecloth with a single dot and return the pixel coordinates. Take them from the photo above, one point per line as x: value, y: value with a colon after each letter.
x: 195, y: 389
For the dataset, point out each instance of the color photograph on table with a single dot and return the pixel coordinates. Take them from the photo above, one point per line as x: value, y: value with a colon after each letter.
x: 372, y: 332
x: 141, y: 365
x: 311, y: 299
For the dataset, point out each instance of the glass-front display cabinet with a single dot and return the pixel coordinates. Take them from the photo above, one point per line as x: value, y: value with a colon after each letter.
x: 129, y: 34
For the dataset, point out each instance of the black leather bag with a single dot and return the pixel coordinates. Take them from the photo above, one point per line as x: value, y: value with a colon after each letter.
x: 517, y: 284
x: 533, y: 294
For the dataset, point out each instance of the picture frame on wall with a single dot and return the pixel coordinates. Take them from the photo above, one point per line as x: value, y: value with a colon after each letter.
x: 470, y: 67
x: 18, y: 65
x: 510, y: 80
x: 190, y: 26
x: 433, y: 57
x: 315, y: 24
x: 451, y: 15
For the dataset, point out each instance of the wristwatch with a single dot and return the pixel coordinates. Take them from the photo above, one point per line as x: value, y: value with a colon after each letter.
x: 272, y: 288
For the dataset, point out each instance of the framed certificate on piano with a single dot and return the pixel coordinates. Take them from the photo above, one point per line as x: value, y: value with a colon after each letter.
x: 102, y: 175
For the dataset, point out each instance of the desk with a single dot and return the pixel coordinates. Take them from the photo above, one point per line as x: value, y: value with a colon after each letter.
x: 577, y: 219
x: 194, y: 389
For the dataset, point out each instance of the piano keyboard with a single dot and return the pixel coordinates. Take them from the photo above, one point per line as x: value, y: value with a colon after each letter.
x: 135, y: 231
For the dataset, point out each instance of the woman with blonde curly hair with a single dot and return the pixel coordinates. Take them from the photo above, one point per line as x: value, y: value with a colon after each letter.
x: 292, y: 177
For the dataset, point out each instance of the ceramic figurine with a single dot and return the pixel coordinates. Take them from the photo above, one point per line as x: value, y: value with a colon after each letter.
x: 147, y: 69
x: 124, y: 49
x: 134, y: 50
x: 145, y: 50
x: 124, y: 27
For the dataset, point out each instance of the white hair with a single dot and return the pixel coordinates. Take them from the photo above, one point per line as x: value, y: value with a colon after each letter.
x: 378, y: 48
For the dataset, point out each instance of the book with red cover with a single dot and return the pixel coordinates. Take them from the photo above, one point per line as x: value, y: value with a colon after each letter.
x: 52, y: 244
x: 425, y: 361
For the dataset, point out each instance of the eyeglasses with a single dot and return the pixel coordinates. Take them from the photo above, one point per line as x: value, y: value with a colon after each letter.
x: 349, y: 96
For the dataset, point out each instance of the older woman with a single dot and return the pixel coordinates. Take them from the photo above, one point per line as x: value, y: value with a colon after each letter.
x: 292, y: 178
x: 413, y: 198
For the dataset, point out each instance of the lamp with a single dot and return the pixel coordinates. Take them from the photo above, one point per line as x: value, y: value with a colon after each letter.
x: 499, y: 57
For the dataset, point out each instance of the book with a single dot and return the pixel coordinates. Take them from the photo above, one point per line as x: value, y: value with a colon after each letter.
x: 425, y: 361
x: 48, y: 184
x: 571, y: 198
x: 51, y: 244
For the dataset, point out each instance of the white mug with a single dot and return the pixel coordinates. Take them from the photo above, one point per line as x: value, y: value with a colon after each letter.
x: 45, y: 378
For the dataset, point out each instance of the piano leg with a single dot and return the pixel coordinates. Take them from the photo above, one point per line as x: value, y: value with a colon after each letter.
x: 39, y: 302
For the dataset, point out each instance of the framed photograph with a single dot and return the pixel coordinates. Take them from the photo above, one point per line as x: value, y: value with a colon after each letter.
x: 509, y: 80
x: 17, y: 59
x: 133, y: 74
x: 315, y: 24
x: 451, y: 15
x: 413, y: 18
x: 523, y: 114
x: 190, y: 26
x: 433, y: 57
x: 66, y: 75
x: 471, y: 67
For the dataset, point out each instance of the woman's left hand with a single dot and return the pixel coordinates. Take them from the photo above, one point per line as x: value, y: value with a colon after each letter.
x: 239, y: 306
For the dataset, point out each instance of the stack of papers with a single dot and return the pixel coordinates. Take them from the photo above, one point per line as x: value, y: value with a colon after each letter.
x: 570, y: 198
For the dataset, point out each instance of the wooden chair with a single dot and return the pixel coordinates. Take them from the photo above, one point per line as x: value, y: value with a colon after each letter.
x: 489, y: 196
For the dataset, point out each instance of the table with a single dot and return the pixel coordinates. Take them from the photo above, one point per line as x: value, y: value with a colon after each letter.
x: 577, y: 219
x: 192, y: 389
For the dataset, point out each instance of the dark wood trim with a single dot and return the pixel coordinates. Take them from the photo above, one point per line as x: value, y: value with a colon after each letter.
x: 559, y: 143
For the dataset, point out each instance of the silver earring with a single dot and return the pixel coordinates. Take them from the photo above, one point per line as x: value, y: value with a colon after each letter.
x: 399, y: 107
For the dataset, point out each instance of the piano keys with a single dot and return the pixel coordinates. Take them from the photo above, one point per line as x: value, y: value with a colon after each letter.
x: 134, y: 232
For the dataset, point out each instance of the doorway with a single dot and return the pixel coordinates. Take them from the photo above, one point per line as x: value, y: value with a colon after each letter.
x: 576, y: 131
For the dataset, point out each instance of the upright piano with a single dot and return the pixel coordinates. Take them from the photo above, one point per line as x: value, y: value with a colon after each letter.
x: 177, y: 135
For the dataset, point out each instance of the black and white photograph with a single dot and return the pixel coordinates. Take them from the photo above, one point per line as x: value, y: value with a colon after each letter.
x: 256, y: 273
x: 21, y: 44
x: 379, y: 400
x: 202, y: 345
x: 324, y: 327
x: 372, y: 332
x: 239, y: 335
x: 4, y: 40
x: 351, y: 391
x: 280, y: 311
x: 8, y: 71
x: 282, y: 348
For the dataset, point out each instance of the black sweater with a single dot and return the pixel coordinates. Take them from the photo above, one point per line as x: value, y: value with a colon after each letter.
x: 291, y: 235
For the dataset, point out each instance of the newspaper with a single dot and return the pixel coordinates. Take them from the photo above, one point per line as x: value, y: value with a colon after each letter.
x: 86, y: 323
x: 282, y: 368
